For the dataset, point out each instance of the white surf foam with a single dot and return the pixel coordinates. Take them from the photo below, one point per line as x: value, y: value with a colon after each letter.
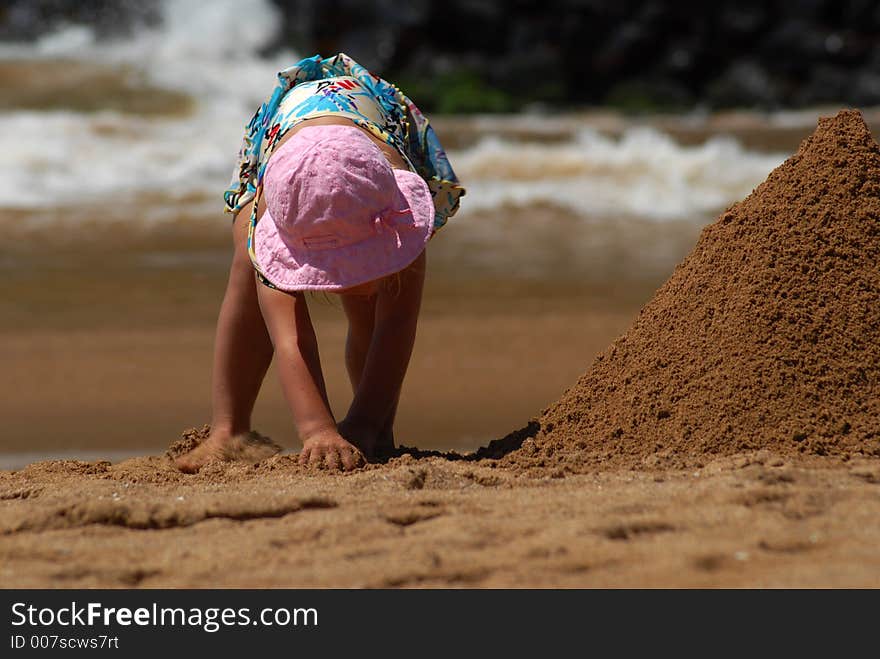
x: 56, y: 159
x: 644, y: 174
x: 59, y: 159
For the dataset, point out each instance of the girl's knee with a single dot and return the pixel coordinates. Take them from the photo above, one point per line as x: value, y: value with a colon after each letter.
x: 240, y: 255
x: 241, y: 258
x: 241, y: 271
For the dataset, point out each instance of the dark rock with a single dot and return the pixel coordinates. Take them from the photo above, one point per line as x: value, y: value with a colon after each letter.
x: 866, y: 90
x: 743, y: 84
x: 25, y: 20
x: 826, y: 84
x: 637, y: 54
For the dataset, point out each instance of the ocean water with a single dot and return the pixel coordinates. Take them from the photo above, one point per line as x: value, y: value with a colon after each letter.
x: 59, y: 157
x: 143, y: 131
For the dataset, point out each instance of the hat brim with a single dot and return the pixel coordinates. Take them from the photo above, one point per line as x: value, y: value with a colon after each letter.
x: 297, y: 268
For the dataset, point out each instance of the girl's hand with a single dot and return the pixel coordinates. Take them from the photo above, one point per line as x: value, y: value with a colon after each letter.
x: 329, y: 450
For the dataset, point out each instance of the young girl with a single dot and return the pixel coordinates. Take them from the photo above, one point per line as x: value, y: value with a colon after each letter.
x: 341, y: 184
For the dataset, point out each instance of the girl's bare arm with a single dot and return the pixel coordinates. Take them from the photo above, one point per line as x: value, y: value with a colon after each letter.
x: 299, y: 369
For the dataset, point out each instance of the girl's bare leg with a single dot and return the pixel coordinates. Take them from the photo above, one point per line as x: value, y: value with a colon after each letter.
x: 382, y: 329
x: 361, y: 313
x: 242, y: 354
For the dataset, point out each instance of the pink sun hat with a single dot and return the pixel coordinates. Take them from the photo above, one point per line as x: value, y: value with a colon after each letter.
x: 337, y: 214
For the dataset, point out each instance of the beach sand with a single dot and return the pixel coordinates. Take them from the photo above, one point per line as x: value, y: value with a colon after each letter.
x: 750, y: 520
x: 116, y: 361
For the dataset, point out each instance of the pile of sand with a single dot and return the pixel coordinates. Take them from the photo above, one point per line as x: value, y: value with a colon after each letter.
x: 250, y: 447
x: 767, y: 336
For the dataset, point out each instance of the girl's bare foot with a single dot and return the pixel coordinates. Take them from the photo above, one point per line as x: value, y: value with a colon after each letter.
x: 384, y: 444
x: 247, y: 447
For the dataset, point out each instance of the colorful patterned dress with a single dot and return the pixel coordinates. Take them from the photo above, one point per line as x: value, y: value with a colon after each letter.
x: 340, y: 86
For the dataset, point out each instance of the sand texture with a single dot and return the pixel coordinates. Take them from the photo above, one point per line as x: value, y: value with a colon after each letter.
x: 754, y: 519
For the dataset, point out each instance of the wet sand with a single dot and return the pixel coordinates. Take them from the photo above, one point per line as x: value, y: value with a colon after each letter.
x: 107, y: 346
x: 478, y: 370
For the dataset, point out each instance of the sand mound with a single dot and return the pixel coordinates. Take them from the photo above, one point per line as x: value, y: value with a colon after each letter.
x: 767, y: 336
